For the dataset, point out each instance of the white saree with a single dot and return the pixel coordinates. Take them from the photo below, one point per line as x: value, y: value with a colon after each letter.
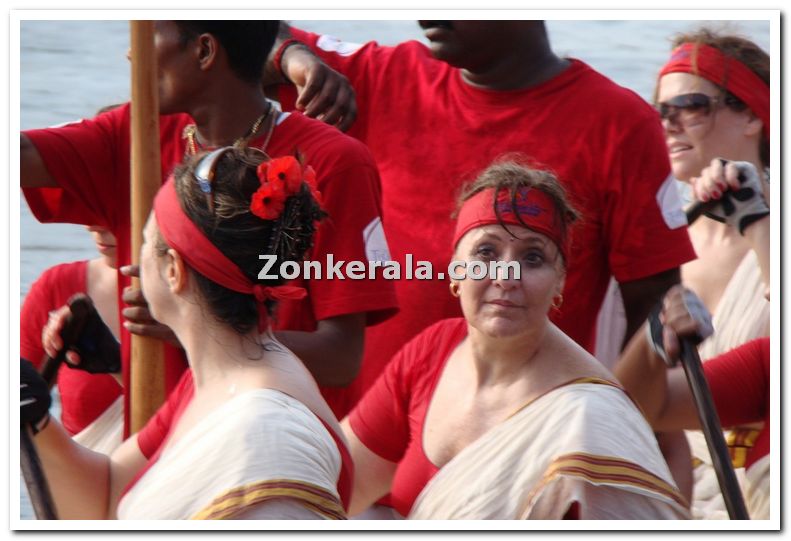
x: 106, y: 432
x: 261, y: 446
x: 584, y: 442
x: 741, y: 315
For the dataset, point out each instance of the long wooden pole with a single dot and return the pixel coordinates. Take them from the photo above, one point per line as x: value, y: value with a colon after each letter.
x: 147, y: 390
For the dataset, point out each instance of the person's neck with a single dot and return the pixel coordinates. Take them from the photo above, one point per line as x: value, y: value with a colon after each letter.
x: 221, y: 120
x: 504, y: 360
x: 219, y: 357
x: 517, y: 71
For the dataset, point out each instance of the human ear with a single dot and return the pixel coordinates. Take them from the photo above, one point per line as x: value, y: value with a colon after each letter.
x: 754, y: 126
x: 175, y: 271
x: 207, y: 51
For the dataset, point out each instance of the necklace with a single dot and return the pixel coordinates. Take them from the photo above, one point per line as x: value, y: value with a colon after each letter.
x: 190, y: 132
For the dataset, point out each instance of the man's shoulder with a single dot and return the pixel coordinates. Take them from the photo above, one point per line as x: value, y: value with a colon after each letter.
x: 603, y: 92
x: 321, y: 141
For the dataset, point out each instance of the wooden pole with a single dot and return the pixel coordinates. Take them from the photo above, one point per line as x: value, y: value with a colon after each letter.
x: 147, y: 389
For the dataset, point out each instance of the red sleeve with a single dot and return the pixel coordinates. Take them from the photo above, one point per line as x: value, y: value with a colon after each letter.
x: 381, y: 418
x: 393, y: 410
x: 84, y: 158
x: 739, y: 382
x: 353, y: 232
x: 644, y: 222
x: 153, y: 434
x: 50, y: 291
x: 32, y: 318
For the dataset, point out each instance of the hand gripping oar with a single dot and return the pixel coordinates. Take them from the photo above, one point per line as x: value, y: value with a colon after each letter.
x: 32, y: 472
x: 80, y: 306
x: 709, y: 420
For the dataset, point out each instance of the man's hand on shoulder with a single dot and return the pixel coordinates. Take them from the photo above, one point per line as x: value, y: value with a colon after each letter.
x: 322, y: 92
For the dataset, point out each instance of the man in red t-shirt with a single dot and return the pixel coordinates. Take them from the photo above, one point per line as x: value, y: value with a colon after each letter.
x: 79, y: 173
x: 435, y: 116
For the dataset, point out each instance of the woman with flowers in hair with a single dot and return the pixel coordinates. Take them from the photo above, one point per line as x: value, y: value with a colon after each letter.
x: 499, y: 414
x: 246, y: 434
x: 713, y: 97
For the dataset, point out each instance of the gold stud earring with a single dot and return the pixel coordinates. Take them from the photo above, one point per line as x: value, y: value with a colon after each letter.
x: 454, y: 289
x: 557, y: 301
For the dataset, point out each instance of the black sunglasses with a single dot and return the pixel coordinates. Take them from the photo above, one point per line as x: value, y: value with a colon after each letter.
x: 693, y: 108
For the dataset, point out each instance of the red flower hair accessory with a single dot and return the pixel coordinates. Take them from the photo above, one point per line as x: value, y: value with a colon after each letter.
x: 280, y: 179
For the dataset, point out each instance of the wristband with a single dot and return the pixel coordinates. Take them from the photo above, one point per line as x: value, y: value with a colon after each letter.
x: 277, y: 61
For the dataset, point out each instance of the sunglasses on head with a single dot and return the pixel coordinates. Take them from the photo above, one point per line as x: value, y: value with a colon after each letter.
x: 205, y: 171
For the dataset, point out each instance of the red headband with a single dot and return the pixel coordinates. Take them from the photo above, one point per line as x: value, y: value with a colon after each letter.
x: 725, y: 71
x: 181, y: 234
x: 536, y: 211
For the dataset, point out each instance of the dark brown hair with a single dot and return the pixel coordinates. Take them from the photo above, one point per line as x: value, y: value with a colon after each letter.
x: 512, y: 172
x: 239, y: 234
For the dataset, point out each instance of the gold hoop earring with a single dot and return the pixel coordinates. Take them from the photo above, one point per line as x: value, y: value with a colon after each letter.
x: 454, y: 289
x: 557, y: 301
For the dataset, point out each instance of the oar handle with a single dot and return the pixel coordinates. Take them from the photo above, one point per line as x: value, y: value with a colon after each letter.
x: 712, y: 430
x: 36, y: 482
x: 80, y: 306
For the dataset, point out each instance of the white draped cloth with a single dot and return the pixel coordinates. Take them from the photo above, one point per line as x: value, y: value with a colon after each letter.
x: 741, y: 315
x: 261, y: 446
x: 106, y: 432
x: 583, y: 442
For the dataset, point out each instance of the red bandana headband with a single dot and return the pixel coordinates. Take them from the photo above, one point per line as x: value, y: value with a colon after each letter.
x: 536, y: 211
x: 725, y: 71
x: 181, y: 234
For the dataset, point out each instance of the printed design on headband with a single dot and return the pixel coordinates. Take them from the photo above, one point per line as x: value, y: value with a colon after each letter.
x: 522, y: 205
x: 280, y: 179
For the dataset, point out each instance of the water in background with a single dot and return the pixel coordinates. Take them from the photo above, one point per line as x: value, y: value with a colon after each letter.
x: 69, y: 69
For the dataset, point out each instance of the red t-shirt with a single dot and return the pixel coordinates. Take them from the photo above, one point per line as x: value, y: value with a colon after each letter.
x: 430, y: 132
x: 389, y: 419
x: 90, y: 161
x: 154, y: 434
x: 739, y: 384
x: 83, y: 396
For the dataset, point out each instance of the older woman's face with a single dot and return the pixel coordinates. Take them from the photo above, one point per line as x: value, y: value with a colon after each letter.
x: 506, y: 306
x: 697, y: 135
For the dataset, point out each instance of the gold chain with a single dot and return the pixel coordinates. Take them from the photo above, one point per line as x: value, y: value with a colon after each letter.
x: 190, y: 132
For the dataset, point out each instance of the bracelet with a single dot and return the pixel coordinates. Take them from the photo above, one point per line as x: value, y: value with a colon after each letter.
x: 41, y: 425
x: 277, y: 61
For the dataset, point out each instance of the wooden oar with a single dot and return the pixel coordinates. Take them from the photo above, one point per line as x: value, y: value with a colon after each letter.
x: 709, y: 420
x: 147, y: 376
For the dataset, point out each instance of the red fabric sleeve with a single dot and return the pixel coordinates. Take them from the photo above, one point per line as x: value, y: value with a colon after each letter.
x: 153, y: 434
x: 351, y: 194
x: 739, y: 383
x: 83, y: 158
x: 643, y: 220
x: 35, y: 313
x: 381, y: 418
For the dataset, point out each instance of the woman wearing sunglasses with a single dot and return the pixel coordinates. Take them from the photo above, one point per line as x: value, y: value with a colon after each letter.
x: 713, y: 97
x: 246, y: 433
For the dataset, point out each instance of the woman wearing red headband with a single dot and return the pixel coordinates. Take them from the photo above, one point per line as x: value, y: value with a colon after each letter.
x: 713, y: 96
x: 499, y: 415
x: 246, y: 434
